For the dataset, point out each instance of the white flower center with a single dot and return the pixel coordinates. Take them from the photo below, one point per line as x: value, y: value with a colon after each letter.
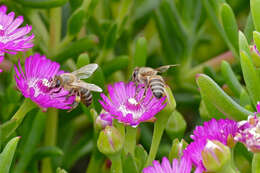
x: 132, y: 101
x: 1, y: 27
x: 46, y: 82
x: 131, y: 107
x: 33, y: 83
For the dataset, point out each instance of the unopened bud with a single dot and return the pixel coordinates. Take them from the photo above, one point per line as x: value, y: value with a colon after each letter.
x: 103, y: 120
x: 177, y: 149
x: 110, y: 141
x: 215, y: 156
x: 176, y: 125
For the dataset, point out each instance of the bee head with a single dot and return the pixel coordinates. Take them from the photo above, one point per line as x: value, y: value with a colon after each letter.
x: 56, y: 82
x: 135, y: 74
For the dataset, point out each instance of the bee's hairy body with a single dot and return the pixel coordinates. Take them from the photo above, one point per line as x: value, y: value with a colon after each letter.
x: 148, y: 76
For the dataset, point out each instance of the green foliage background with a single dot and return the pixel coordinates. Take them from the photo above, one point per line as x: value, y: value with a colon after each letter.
x: 120, y: 35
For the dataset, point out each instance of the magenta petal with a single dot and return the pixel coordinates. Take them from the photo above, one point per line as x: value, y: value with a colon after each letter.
x: 34, y: 83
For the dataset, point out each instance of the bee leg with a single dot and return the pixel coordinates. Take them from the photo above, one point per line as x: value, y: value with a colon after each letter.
x: 71, y: 93
x: 76, y: 102
x: 73, y: 106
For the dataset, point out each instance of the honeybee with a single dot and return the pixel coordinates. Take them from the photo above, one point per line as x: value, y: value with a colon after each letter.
x: 72, y: 82
x: 150, y: 78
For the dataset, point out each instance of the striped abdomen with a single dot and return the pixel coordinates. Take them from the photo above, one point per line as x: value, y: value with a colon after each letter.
x: 156, y: 84
x: 85, y: 96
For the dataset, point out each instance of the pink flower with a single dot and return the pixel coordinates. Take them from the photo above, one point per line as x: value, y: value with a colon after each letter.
x: 35, y: 82
x: 193, y: 152
x: 222, y: 130
x: 12, y: 37
x: 182, y: 166
x: 249, y: 132
x: 216, y: 130
x: 130, y: 104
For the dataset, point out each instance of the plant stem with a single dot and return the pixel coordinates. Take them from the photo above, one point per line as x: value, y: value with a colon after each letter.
x: 52, y: 114
x: 130, y: 140
x: 22, y: 111
x: 116, y: 163
x: 55, y: 30
x: 256, y: 163
x: 50, y: 137
x: 159, y: 127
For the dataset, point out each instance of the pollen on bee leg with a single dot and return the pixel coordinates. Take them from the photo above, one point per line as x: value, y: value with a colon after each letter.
x: 77, y: 99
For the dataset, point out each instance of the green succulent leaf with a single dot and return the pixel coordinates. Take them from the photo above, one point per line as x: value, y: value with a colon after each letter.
x: 30, y: 144
x: 42, y: 3
x: 75, y: 48
x: 256, y: 36
x: 6, y: 128
x: 255, y: 7
x: 249, y: 28
x: 129, y: 165
x: 229, y: 24
x: 118, y: 63
x: 83, y: 60
x: 140, y: 55
x: 243, y: 43
x: 47, y: 151
x: 220, y: 99
x: 212, y: 110
x: 7, y: 155
x: 76, y: 21
x: 140, y: 157
x: 231, y: 79
x: 251, y: 77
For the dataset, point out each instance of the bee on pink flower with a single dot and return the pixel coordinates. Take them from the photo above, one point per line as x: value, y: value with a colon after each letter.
x: 35, y: 82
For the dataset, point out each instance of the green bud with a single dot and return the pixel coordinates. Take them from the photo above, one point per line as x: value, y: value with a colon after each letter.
x: 176, y: 125
x: 215, y: 156
x: 110, y: 141
x: 177, y: 148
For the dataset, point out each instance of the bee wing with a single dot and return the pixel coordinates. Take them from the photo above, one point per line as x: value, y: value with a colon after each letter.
x: 85, y: 71
x: 89, y: 86
x: 165, y: 68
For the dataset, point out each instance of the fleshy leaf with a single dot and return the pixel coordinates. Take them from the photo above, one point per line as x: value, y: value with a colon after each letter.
x: 251, y: 77
x: 220, y: 99
x: 7, y: 155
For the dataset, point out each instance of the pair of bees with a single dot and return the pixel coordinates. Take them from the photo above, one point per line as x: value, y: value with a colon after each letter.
x: 73, y: 83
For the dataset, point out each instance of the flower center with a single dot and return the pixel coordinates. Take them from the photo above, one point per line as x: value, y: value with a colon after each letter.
x: 132, y: 101
x: 133, y: 107
x: 39, y: 86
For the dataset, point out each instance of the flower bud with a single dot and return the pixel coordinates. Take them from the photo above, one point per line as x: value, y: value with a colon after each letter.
x: 177, y: 148
x: 103, y: 120
x: 110, y: 141
x: 215, y: 156
x: 176, y: 125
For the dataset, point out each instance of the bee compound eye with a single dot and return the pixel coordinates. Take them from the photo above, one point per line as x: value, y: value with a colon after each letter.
x: 58, y: 83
